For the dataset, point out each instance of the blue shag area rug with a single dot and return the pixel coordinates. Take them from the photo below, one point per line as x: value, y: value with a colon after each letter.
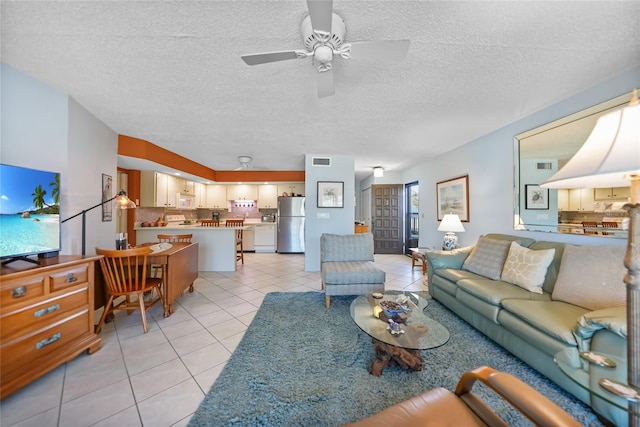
x: 300, y: 364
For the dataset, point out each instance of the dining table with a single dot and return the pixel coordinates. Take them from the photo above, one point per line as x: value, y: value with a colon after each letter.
x: 179, y: 266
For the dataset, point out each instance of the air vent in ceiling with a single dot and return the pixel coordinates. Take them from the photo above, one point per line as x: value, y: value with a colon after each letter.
x: 544, y: 166
x: 321, y: 161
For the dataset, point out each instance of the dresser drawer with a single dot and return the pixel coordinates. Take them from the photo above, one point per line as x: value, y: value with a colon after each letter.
x: 18, y: 291
x: 43, y: 342
x: 24, y: 320
x: 69, y: 277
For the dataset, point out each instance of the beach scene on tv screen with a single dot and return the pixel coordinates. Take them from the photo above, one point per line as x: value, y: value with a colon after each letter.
x: 29, y: 211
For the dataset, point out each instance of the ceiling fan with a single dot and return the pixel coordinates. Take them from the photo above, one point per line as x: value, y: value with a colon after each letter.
x: 323, y: 36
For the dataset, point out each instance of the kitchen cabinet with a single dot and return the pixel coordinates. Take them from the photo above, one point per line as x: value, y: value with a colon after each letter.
x: 581, y: 199
x: 616, y: 193
x: 242, y: 192
x: 291, y: 188
x: 184, y: 186
x: 46, y: 313
x: 216, y: 196
x: 563, y: 199
x: 248, y: 239
x: 157, y: 190
x: 265, y: 237
x: 200, y: 192
x: 268, y: 196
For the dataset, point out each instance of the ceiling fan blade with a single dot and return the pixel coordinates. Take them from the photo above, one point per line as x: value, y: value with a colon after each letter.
x: 325, y: 84
x: 390, y: 50
x: 320, y: 12
x: 263, y: 58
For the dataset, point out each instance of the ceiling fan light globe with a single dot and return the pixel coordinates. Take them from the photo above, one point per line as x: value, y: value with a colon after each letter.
x: 324, y: 54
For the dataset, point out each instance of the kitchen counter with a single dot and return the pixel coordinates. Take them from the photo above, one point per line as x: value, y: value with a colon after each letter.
x: 217, y: 245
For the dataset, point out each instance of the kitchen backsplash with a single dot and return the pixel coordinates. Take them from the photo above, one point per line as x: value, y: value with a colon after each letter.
x: 151, y: 214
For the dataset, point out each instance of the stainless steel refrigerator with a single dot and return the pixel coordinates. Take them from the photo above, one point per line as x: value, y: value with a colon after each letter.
x: 290, y: 225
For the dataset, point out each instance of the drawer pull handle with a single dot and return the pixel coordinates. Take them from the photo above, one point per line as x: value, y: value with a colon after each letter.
x: 19, y: 292
x: 44, y: 343
x: 71, y: 278
x: 47, y: 310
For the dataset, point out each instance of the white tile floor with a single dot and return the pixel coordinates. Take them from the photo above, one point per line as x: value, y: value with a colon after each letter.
x: 159, y: 378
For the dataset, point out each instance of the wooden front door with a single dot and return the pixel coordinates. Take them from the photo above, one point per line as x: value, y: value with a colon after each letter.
x: 387, y: 209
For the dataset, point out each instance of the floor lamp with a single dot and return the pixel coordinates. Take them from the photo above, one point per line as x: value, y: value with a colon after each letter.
x: 120, y: 201
x: 610, y: 157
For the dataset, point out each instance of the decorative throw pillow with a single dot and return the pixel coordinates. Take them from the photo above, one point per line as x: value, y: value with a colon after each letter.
x: 487, y: 257
x: 527, y: 268
x: 591, y: 277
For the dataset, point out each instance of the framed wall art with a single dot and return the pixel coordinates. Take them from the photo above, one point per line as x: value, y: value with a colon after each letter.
x: 536, y: 197
x: 330, y: 194
x: 453, y: 198
x: 106, y: 195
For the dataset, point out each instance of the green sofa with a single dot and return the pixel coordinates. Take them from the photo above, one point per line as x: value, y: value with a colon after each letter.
x: 577, y: 304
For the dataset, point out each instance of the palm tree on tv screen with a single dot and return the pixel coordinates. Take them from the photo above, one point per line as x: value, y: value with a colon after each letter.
x: 55, y: 193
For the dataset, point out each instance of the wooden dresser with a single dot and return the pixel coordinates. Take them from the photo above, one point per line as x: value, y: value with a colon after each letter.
x: 46, y: 317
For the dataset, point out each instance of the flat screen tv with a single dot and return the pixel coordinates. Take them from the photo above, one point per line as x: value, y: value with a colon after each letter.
x: 29, y: 213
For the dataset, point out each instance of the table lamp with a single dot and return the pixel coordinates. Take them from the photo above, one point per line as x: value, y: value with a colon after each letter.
x: 610, y: 157
x: 120, y: 201
x: 450, y: 224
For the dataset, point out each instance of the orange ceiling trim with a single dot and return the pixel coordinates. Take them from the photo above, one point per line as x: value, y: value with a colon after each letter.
x: 141, y: 149
x: 260, y: 176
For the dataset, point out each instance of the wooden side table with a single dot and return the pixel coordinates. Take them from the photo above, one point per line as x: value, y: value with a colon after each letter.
x: 419, y: 254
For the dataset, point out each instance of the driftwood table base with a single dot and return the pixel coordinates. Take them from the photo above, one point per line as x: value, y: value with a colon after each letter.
x: 389, y: 355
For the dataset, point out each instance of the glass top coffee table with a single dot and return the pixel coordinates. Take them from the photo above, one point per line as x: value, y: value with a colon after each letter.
x: 420, y: 331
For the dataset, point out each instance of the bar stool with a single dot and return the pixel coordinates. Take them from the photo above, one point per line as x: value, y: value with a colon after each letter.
x: 210, y: 223
x: 239, y: 235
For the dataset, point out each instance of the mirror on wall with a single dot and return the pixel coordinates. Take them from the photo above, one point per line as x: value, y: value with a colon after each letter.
x: 541, y: 152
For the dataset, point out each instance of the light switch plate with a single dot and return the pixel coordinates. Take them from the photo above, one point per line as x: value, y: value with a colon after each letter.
x: 322, y: 215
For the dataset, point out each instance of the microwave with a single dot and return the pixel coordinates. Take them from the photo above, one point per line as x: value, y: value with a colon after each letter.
x: 185, y: 201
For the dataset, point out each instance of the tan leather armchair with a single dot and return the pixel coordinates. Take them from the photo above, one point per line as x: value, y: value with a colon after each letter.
x: 440, y: 407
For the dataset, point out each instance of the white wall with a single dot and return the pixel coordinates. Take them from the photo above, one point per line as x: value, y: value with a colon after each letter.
x: 43, y: 128
x: 340, y: 220
x: 489, y: 162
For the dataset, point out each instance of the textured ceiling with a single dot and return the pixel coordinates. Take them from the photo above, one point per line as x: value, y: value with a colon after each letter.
x: 170, y: 72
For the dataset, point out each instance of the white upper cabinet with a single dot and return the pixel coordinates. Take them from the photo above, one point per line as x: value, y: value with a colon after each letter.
x: 617, y: 193
x: 216, y: 196
x: 267, y: 196
x: 157, y: 190
x: 292, y: 189
x: 242, y: 192
x: 200, y: 191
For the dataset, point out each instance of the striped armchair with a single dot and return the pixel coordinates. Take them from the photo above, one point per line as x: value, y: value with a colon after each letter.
x: 347, y: 265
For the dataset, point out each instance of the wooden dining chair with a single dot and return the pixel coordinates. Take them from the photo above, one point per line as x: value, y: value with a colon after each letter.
x: 239, y: 235
x: 125, y: 274
x: 210, y: 223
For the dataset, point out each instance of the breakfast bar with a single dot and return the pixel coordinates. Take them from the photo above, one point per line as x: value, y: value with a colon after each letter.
x: 216, y: 245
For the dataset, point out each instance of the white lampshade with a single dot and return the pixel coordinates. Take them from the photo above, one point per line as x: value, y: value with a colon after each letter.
x: 451, y: 222
x: 609, y: 157
x: 378, y: 171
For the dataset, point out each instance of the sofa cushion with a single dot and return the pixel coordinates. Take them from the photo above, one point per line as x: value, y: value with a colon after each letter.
x: 347, y: 247
x: 487, y: 257
x: 351, y: 272
x: 448, y: 259
x: 455, y: 275
x: 552, y: 271
x: 591, y: 277
x: 495, y: 291
x: 554, y: 318
x: 527, y: 268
